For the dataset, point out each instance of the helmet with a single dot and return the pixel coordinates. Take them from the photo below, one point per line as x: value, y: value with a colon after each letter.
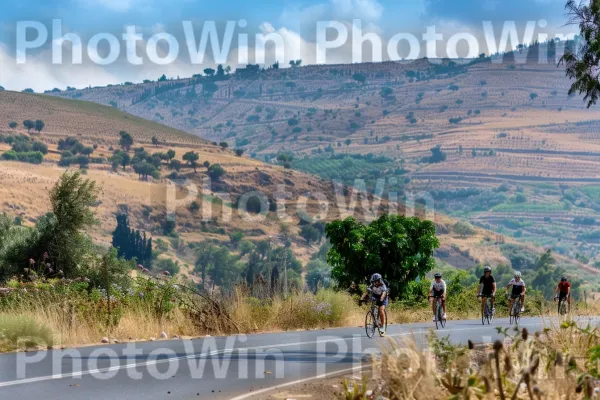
x: 375, y: 278
x: 563, y: 279
x: 437, y: 275
x: 487, y: 269
x: 517, y: 274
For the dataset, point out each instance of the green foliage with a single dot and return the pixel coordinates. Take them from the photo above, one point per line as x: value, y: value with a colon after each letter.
x: 166, y: 265
x: 21, y: 333
x: 125, y: 141
x: 399, y: 248
x: 216, y: 171
x: 131, y: 244
x: 463, y: 228
x: 318, y: 275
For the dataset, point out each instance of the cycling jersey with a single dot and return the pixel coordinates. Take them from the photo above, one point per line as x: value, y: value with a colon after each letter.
x: 563, y: 287
x: 517, y: 287
x: 488, y: 285
x: 377, y: 292
x: 438, y: 288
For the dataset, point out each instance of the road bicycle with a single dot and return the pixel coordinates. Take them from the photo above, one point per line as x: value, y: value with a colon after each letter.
x: 562, y: 305
x: 487, y: 314
x: 515, y: 315
x: 439, y: 312
x: 372, y: 320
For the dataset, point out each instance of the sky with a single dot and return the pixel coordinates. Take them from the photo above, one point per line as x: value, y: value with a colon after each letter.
x: 295, y: 22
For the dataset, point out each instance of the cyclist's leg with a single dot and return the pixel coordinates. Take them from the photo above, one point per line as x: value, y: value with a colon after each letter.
x: 510, y: 305
x: 433, y: 306
x: 493, y: 297
x: 382, y: 317
x: 444, y: 303
x: 483, y: 300
x: 522, y: 302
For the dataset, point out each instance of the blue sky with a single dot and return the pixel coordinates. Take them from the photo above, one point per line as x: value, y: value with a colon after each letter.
x: 295, y: 20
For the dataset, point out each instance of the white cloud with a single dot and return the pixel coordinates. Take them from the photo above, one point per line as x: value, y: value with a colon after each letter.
x: 40, y: 74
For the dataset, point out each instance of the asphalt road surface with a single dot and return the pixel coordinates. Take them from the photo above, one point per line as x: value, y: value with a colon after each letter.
x: 236, y: 367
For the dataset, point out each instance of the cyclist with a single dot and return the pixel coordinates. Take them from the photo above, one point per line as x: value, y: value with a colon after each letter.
x: 378, y: 291
x: 518, y: 290
x: 437, y: 289
x: 487, y: 288
x: 564, y: 291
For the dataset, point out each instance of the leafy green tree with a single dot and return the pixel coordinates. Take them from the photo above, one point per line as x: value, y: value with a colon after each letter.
x: 581, y: 58
x: 399, y: 248
x: 209, y: 89
x: 318, y: 275
x: 145, y: 169
x: 39, y: 125
x: 235, y: 238
x: 463, y: 229
x: 155, y: 141
x: 215, y: 171
x: 360, y: 78
x: 192, y: 158
x: 13, y: 125
x: 29, y: 125
x: 171, y: 154
x: 72, y: 199
x: 176, y: 165
x: 310, y: 234
x: 126, y: 140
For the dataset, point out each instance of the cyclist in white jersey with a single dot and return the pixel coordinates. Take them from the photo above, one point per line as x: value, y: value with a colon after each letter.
x: 438, y: 289
x: 518, y: 290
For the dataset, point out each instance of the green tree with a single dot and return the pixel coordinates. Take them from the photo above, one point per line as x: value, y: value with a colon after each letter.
x: 39, y: 125
x: 235, y: 238
x: 155, y: 141
x: 13, y: 125
x: 192, y: 158
x: 171, y: 154
x: 463, y: 229
x: 215, y: 171
x: 72, y: 199
x: 399, y: 248
x: 318, y: 275
x: 581, y: 58
x: 310, y: 234
x: 29, y: 125
x: 125, y: 141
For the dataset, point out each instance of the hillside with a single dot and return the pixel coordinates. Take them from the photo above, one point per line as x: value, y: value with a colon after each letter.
x: 518, y: 155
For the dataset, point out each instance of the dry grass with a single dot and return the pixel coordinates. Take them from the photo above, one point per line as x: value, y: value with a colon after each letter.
x: 557, y: 364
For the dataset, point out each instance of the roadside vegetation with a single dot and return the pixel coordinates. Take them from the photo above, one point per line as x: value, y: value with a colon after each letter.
x: 60, y: 288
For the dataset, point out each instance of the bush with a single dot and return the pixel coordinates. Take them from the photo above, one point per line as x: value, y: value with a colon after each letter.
x: 18, y: 332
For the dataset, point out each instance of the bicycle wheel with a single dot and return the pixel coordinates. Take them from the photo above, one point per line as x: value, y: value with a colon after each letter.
x: 512, y: 314
x: 440, y: 315
x: 483, y: 313
x: 517, y: 312
x: 384, y: 324
x: 370, y: 325
x: 490, y: 312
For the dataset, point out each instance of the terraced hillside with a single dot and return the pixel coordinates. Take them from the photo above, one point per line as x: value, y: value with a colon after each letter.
x: 512, y: 145
x: 292, y: 197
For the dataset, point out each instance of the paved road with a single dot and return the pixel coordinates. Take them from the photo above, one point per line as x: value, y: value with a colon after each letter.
x: 208, y: 368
